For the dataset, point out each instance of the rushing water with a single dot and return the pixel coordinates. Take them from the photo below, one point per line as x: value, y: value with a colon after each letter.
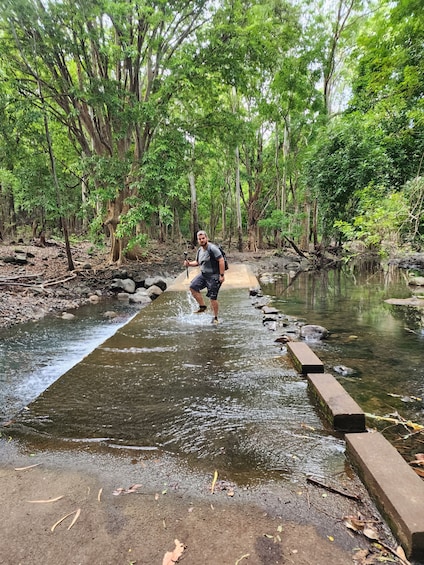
x: 168, y: 380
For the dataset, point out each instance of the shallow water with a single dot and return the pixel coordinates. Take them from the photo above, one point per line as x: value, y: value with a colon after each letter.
x: 225, y: 396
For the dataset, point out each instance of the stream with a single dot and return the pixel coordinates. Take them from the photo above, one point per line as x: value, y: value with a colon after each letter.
x: 164, y: 379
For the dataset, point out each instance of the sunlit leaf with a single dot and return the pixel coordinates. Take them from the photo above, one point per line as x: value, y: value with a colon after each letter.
x: 215, y: 478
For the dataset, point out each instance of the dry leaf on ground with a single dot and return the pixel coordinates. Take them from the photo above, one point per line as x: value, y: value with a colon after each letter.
x: 172, y: 557
x: 120, y: 490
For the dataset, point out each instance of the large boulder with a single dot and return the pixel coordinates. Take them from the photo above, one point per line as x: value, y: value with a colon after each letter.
x: 125, y: 285
x: 312, y: 332
x: 155, y: 281
x: 141, y: 296
x: 154, y: 291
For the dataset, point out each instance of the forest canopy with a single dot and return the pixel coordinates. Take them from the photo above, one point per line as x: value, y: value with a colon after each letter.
x: 261, y: 122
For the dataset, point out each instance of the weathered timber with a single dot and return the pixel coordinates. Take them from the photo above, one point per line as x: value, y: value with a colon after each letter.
x: 397, y: 490
x: 338, y: 407
x: 303, y: 358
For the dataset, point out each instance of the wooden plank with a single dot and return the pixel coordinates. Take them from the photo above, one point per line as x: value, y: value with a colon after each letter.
x: 339, y: 408
x: 303, y: 358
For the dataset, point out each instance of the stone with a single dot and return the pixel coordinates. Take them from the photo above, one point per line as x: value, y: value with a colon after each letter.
x: 127, y: 285
x: 154, y: 291
x: 312, y: 332
x: 155, y: 281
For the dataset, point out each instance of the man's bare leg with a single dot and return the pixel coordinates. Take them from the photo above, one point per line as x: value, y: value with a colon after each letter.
x: 198, y: 297
x: 215, y: 307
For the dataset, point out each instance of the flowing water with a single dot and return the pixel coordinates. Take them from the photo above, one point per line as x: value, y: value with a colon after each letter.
x: 169, y: 381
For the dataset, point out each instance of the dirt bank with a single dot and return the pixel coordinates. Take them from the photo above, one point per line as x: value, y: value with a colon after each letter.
x: 274, y: 523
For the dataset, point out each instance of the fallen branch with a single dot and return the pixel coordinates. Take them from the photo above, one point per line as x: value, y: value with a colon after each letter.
x: 295, y: 247
x: 398, y: 421
x: 332, y: 489
x: 38, y: 287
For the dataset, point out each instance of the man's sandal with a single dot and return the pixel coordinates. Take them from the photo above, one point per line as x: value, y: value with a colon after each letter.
x: 201, y: 310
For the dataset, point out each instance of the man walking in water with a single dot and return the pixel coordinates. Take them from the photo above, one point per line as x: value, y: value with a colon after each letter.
x: 212, y: 268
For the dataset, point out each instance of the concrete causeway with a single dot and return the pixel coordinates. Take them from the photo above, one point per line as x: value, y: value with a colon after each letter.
x: 238, y: 275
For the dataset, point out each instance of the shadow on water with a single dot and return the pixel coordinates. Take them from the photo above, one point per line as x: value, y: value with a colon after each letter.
x: 169, y: 381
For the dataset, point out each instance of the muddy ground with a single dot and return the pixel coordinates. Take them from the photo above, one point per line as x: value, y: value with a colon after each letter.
x: 90, y: 507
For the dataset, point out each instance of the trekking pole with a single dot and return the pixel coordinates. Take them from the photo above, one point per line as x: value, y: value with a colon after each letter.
x: 185, y: 258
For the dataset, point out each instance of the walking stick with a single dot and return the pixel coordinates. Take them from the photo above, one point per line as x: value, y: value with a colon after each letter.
x: 185, y: 258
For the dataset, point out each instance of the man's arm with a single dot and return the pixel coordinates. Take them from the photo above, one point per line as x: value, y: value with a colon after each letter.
x: 221, y: 267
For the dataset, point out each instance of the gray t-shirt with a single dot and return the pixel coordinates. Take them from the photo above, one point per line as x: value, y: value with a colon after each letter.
x: 208, y: 265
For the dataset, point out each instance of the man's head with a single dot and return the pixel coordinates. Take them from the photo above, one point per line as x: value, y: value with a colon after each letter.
x: 202, y: 238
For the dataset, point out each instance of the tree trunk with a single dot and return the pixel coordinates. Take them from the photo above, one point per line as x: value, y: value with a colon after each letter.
x: 238, y: 203
x: 194, y: 210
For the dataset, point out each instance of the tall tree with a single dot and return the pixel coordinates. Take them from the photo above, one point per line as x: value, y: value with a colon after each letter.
x: 107, y: 73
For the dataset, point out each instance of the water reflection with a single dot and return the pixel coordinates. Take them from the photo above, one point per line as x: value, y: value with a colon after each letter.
x: 381, y: 342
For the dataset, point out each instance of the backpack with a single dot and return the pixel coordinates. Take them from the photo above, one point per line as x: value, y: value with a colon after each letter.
x: 223, y: 255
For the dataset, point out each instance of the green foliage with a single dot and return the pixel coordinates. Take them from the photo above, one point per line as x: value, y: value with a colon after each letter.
x: 288, y: 224
x: 347, y: 157
x: 139, y: 95
x: 379, y: 219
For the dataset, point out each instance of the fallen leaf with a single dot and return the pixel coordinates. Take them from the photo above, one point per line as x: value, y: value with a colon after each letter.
x: 242, y: 557
x: 45, y: 501
x: 401, y: 553
x: 77, y: 512
x: 120, y: 490
x: 330, y: 538
x: 307, y: 427
x: 370, y: 533
x: 28, y: 467
x: 215, y: 478
x: 172, y: 557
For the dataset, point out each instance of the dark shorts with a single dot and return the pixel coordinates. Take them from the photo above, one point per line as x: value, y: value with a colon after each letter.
x: 211, y: 282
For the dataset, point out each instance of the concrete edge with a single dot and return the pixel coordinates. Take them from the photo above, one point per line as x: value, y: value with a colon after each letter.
x: 396, y: 489
x: 337, y: 406
x: 303, y: 358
